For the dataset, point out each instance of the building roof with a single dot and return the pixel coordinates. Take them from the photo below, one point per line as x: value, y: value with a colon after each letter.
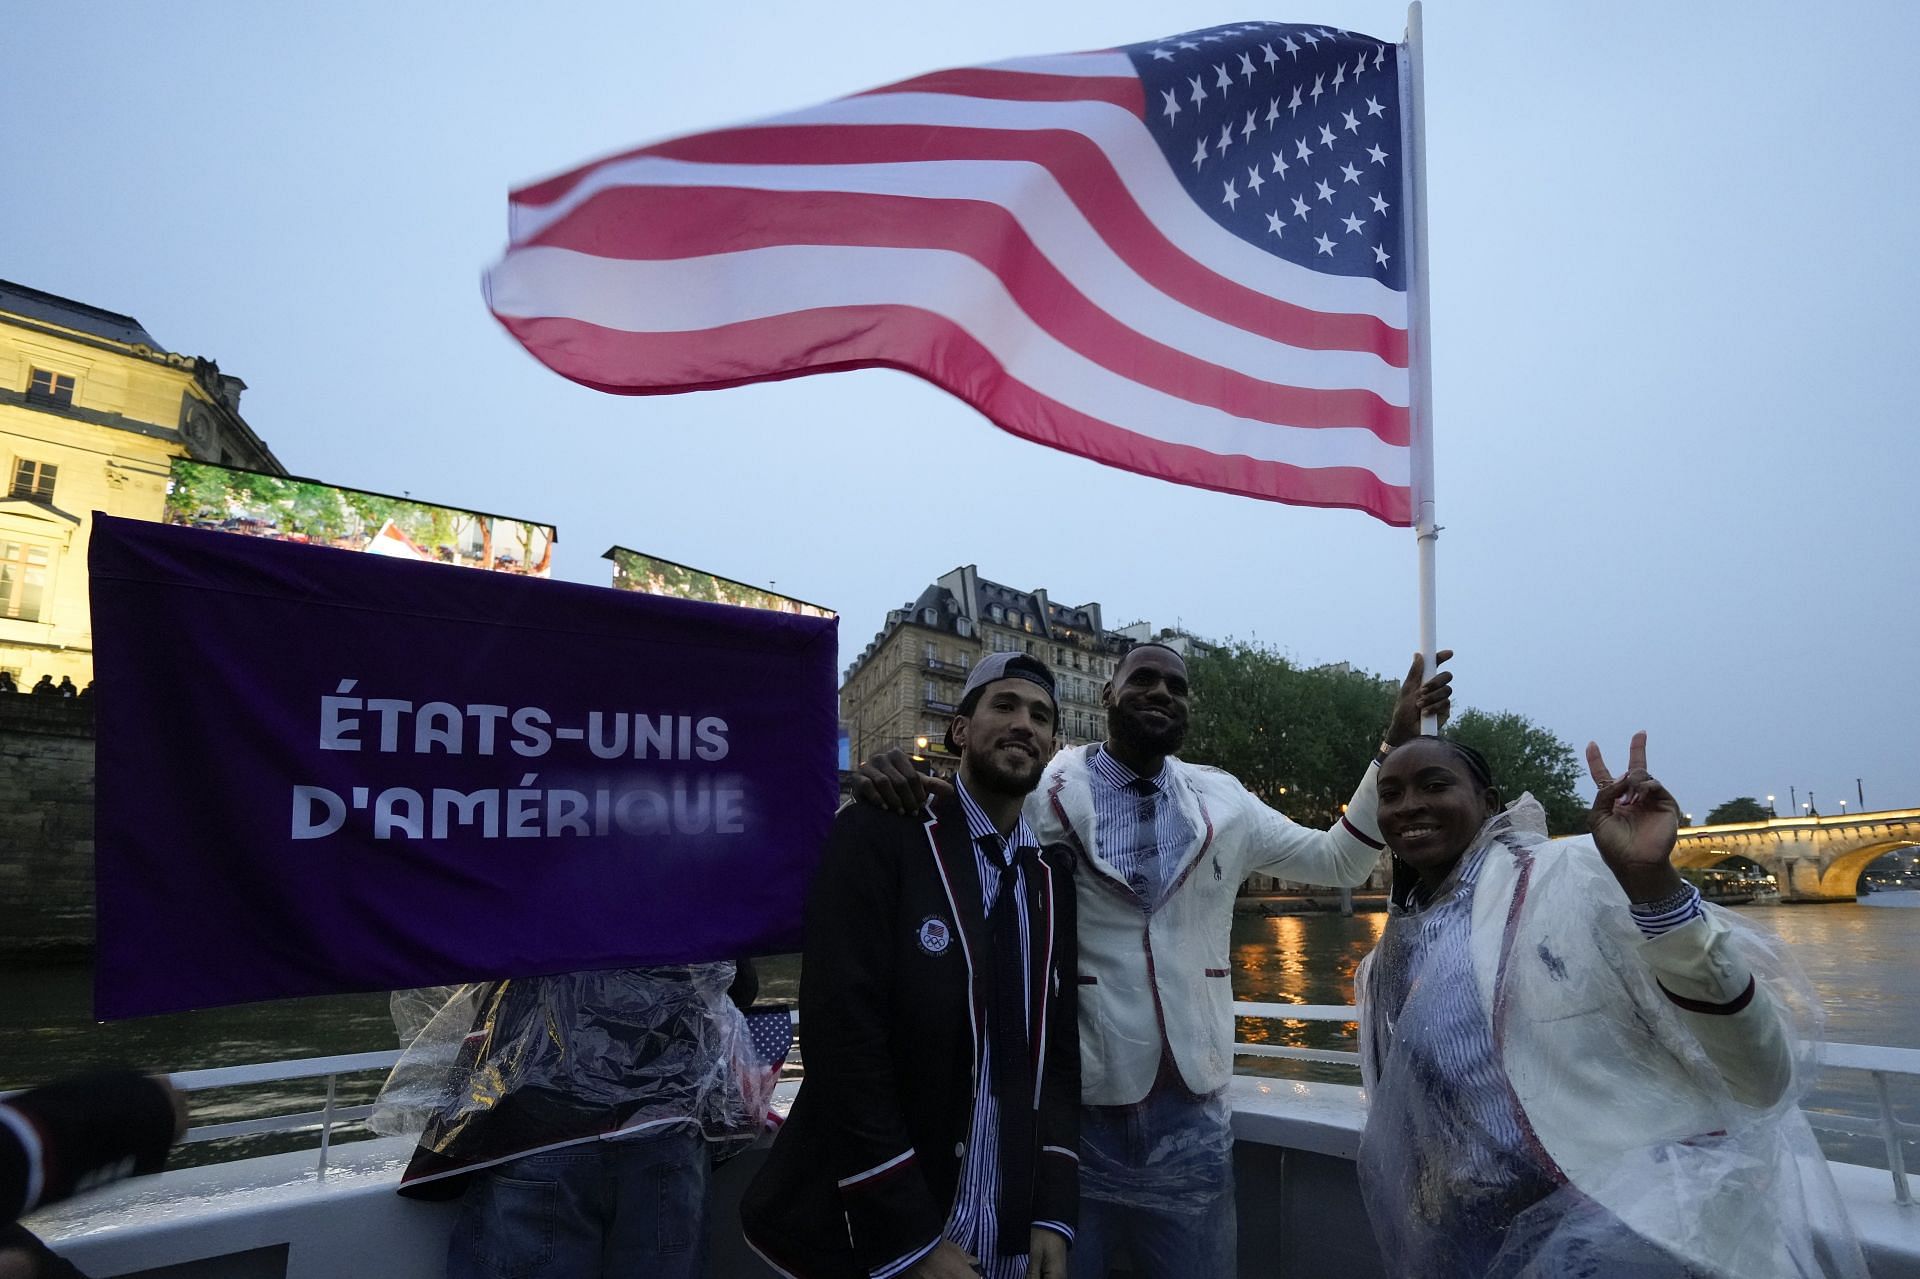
x: 50, y: 308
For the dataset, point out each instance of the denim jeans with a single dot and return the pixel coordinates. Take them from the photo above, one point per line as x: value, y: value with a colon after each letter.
x: 595, y: 1210
x: 1156, y: 1178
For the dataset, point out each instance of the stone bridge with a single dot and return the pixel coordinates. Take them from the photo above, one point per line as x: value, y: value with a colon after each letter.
x: 1814, y: 858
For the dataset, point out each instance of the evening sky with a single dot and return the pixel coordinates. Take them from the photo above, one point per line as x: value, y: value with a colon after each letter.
x: 1673, y: 293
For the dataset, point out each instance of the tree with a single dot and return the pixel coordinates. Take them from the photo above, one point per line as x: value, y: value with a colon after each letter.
x: 1526, y: 757
x: 1299, y: 739
x: 1744, y: 809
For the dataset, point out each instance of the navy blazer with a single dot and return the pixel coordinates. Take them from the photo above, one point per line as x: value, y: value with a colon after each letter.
x: 894, y: 987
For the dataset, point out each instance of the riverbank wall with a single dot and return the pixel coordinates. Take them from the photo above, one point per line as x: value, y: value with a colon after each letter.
x: 46, y: 825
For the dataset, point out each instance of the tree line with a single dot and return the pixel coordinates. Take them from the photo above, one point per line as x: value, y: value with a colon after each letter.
x: 1300, y: 736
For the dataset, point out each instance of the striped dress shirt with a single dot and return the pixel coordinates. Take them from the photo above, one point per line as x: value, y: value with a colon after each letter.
x: 1143, y: 833
x: 974, y: 1223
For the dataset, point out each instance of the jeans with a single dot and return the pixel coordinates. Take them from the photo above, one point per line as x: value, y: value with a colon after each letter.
x: 594, y: 1210
x: 1156, y: 1178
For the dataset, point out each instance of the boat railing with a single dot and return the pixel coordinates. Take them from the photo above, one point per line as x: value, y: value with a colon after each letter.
x: 1881, y: 1064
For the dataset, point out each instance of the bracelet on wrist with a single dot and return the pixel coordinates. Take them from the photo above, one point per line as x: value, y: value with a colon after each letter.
x: 1671, y: 902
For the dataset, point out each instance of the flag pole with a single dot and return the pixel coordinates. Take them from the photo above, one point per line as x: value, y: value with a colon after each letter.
x: 1413, y: 150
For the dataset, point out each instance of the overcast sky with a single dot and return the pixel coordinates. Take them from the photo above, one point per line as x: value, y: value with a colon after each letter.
x: 1674, y: 301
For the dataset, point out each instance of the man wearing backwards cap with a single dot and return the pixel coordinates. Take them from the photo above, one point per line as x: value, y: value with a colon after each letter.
x: 937, y: 1133
x: 1163, y: 848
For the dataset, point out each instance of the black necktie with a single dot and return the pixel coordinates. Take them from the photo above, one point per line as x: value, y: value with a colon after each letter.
x: 1148, y: 834
x: 1147, y: 792
x: 1007, y: 1042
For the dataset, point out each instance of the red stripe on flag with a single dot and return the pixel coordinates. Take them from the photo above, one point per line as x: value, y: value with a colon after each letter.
x: 1089, y: 180
x: 652, y: 223
x: 914, y: 341
x: 1025, y: 86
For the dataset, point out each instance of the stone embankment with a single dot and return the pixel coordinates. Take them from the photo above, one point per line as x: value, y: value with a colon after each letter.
x: 46, y: 825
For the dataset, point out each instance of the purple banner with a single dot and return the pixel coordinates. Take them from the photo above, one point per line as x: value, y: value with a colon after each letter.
x: 322, y: 772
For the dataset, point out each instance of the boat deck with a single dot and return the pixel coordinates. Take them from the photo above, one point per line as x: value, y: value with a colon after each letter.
x: 282, y: 1217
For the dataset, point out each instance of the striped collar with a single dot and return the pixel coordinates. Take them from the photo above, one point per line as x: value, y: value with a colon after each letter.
x: 1113, y: 771
x: 980, y: 826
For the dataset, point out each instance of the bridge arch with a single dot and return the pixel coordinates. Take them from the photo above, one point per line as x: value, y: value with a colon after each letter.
x: 1841, y: 878
x: 1692, y: 856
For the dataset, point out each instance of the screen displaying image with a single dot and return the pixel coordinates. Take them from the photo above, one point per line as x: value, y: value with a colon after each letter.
x: 637, y: 571
x: 203, y: 495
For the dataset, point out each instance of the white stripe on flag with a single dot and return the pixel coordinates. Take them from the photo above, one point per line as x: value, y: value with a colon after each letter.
x: 1120, y: 136
x: 1061, y: 233
x: 1108, y: 62
x: 700, y: 293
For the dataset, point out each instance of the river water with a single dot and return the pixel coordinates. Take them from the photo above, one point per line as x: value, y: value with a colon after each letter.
x: 1864, y: 961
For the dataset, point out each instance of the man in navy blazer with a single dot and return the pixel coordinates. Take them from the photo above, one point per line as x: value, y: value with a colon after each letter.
x: 937, y: 1129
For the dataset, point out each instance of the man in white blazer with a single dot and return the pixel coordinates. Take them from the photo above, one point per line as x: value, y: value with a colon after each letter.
x: 1163, y: 849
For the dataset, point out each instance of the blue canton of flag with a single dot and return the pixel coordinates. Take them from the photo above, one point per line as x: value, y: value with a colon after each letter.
x: 1289, y: 136
x: 772, y: 1034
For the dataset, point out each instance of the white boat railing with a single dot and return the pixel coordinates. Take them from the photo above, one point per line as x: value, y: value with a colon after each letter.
x: 1881, y: 1064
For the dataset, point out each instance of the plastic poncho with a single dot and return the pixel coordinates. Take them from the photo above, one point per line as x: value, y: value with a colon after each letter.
x: 498, y: 1069
x: 1538, y: 1107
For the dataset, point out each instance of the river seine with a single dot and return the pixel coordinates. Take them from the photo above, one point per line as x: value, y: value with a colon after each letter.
x: 1864, y: 962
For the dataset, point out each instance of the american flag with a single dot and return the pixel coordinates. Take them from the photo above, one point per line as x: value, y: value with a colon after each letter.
x: 770, y: 1034
x: 1185, y: 257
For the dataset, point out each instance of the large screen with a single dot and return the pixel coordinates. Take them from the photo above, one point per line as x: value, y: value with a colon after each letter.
x: 203, y: 495
x: 638, y: 571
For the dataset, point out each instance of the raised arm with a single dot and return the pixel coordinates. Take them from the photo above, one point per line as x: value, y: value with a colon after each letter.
x: 1692, y: 954
x: 1344, y: 854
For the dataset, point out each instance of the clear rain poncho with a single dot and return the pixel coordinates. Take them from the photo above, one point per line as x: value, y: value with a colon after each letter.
x: 497, y: 1069
x: 1538, y: 1107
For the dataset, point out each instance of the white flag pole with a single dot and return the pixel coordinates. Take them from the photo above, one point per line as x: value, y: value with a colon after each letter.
x: 1413, y: 168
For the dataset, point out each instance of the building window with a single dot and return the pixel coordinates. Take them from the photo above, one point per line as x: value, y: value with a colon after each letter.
x: 52, y: 388
x: 933, y: 651
x: 34, y: 480
x: 966, y: 659
x: 23, y: 579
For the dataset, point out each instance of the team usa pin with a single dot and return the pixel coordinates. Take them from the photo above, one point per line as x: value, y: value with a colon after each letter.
x: 935, y: 935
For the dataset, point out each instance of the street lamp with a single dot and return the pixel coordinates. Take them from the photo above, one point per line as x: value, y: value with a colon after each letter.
x: 1770, y: 811
x: 1843, y: 808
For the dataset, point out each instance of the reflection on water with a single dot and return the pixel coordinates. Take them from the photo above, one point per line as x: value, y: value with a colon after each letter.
x: 1864, y: 961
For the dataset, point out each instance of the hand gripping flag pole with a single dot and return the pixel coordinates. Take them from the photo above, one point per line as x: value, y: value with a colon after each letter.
x: 1426, y: 531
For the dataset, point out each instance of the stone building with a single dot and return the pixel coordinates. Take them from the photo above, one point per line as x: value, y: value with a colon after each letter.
x: 92, y: 413
x: 905, y: 686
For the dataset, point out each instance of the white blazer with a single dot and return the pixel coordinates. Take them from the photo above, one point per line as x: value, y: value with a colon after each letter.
x: 1632, y: 1094
x: 1149, y: 979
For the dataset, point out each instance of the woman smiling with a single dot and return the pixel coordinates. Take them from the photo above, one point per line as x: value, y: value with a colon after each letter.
x: 1573, y: 1067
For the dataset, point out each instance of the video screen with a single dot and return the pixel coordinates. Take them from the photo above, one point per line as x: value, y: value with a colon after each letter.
x: 638, y: 571
x: 286, y: 509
